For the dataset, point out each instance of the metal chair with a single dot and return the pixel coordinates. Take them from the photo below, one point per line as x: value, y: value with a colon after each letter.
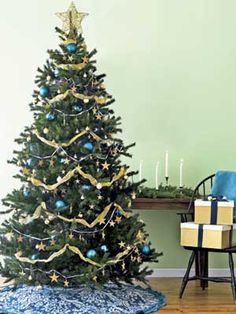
x: 200, y: 255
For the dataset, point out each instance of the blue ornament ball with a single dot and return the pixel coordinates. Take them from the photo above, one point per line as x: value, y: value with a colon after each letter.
x: 88, y: 146
x: 77, y: 108
x: 104, y: 248
x: 26, y: 193
x: 35, y: 256
x: 60, y: 204
x: 44, y: 91
x: 62, y: 161
x: 118, y: 213
x: 86, y: 187
x: 91, y: 253
x: 50, y: 116
x: 71, y: 48
x: 56, y: 72
x: 146, y: 249
x: 29, y: 163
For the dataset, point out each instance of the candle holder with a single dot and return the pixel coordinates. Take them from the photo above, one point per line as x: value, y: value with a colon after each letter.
x: 167, y: 181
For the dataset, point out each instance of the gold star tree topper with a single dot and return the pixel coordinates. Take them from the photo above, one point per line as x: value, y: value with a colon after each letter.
x: 72, y: 19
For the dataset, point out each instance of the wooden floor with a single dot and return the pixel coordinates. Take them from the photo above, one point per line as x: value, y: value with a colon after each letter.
x: 217, y: 298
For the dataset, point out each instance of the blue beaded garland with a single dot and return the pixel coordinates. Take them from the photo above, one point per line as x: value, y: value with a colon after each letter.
x: 91, y: 253
x: 146, y: 249
x: 44, y: 91
x: 77, y: 108
x: 29, y: 163
x: 50, y: 116
x: 88, y: 146
x: 104, y: 248
x: 71, y: 48
x: 60, y: 204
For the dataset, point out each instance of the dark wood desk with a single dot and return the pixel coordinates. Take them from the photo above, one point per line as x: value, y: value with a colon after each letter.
x: 160, y: 203
x: 174, y: 204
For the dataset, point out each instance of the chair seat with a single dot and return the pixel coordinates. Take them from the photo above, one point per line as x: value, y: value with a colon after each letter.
x: 226, y: 250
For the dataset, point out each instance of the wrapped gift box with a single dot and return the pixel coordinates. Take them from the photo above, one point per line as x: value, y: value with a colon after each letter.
x: 214, y: 212
x: 208, y: 236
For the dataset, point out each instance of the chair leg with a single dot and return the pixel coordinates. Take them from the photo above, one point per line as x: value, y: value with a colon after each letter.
x: 204, y: 268
x: 197, y: 264
x: 233, y: 282
x: 186, y: 276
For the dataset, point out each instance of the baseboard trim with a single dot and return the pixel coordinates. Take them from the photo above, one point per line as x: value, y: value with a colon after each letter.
x: 179, y: 272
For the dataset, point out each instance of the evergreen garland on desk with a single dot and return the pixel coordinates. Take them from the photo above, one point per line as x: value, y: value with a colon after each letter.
x: 165, y: 192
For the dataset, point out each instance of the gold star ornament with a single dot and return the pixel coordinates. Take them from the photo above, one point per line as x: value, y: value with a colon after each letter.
x: 72, y: 19
x: 54, y: 277
x: 105, y: 166
x: 41, y: 246
x: 66, y: 283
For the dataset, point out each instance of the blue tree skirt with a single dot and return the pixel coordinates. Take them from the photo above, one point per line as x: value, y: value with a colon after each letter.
x: 111, y: 299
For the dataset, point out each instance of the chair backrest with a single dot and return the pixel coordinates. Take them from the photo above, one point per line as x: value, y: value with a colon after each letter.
x: 201, y: 190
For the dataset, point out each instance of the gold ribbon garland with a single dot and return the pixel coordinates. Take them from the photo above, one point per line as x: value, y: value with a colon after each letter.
x: 72, y: 140
x: 99, y: 99
x: 78, y: 66
x: 75, y: 250
x: 94, y: 181
x: 120, y: 255
x: 52, y: 187
x: 99, y: 218
x: 83, y: 222
x: 71, y: 173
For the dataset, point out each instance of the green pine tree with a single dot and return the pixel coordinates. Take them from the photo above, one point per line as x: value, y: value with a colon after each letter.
x: 71, y: 221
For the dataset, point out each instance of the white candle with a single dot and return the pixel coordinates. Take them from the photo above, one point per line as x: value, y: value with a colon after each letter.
x: 157, y: 174
x: 166, y: 164
x: 140, y: 169
x: 181, y: 173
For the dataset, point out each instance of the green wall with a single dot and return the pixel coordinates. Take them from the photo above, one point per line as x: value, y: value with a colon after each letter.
x: 172, y: 67
x: 170, y: 64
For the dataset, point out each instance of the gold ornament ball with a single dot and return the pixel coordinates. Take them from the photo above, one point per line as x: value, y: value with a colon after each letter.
x: 59, y: 179
x: 86, y: 100
x: 45, y: 131
x: 50, y: 218
x: 30, y: 277
x: 46, y: 221
x: 99, y: 186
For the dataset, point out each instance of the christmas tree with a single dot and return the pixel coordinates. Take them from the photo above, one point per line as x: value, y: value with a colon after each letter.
x: 71, y: 221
